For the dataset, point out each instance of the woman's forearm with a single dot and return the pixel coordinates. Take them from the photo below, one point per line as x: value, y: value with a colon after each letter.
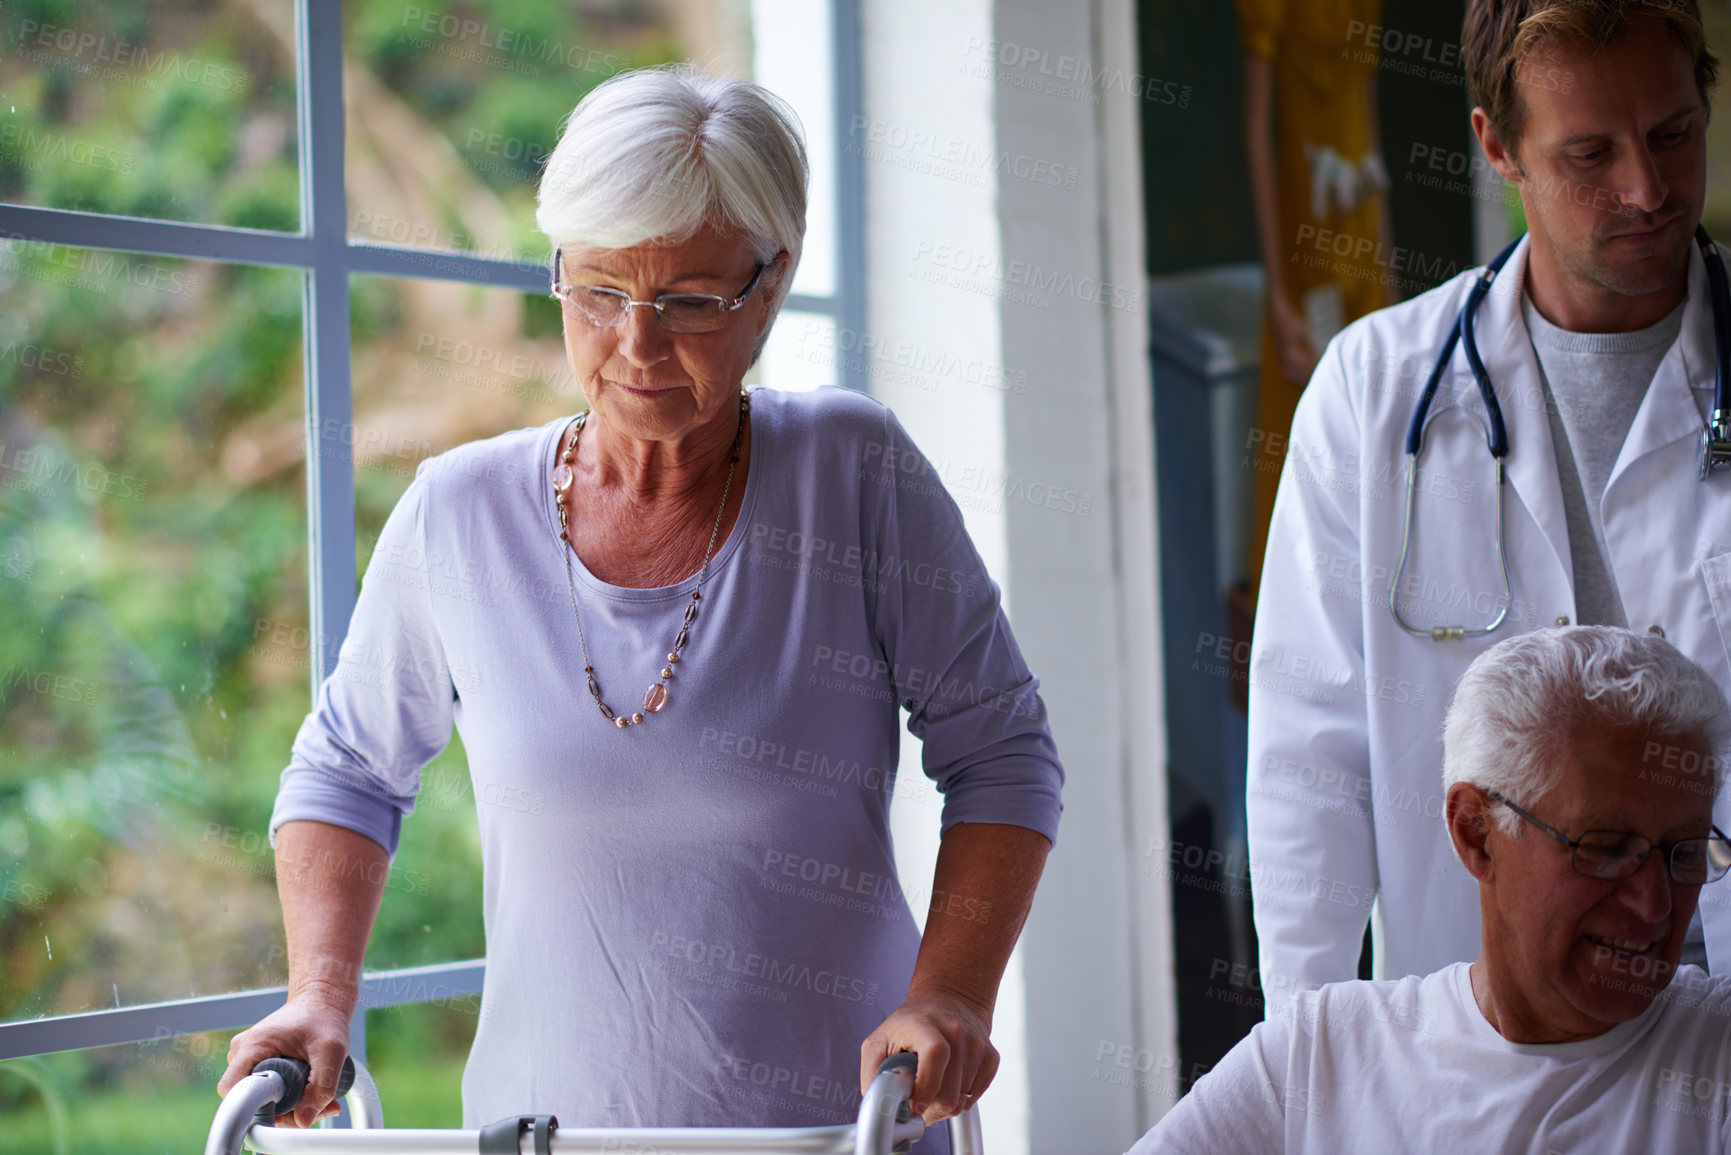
x: 329, y: 879
x: 982, y: 891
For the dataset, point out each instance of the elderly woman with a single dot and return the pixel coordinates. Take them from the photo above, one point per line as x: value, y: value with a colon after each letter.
x: 1580, y: 768
x: 684, y: 754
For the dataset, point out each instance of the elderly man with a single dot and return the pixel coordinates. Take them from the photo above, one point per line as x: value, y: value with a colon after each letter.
x: 1580, y: 767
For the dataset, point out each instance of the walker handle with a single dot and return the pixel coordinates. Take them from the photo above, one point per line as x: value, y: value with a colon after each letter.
x: 900, y: 1061
x: 294, y: 1074
x: 965, y: 1138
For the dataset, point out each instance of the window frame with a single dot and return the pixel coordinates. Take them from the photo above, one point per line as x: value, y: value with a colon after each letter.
x: 324, y: 251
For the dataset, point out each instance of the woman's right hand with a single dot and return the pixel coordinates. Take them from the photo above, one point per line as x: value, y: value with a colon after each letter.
x: 1292, y: 337
x: 306, y: 1028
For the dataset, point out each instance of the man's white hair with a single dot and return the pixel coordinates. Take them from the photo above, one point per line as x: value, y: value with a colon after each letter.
x: 1523, y: 702
x: 654, y: 155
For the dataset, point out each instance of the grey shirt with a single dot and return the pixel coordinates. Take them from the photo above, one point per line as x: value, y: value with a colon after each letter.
x: 1594, y: 383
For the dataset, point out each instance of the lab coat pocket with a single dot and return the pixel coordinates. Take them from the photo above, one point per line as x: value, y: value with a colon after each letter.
x: 1716, y: 575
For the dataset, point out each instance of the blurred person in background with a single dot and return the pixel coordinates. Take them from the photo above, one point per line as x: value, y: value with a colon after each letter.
x: 1580, y: 768
x: 675, y: 634
x: 1389, y: 573
x: 1315, y: 157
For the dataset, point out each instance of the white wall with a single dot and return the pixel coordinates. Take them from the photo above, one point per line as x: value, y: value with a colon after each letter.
x: 917, y: 106
x: 1004, y: 252
x: 1099, y: 949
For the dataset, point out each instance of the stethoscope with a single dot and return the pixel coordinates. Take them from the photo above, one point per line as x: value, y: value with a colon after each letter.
x: 1714, y: 450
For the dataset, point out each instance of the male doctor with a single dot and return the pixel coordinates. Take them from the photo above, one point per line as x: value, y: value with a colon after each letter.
x: 1598, y: 338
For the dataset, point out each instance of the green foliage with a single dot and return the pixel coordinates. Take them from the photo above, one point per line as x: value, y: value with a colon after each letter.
x: 416, y: 1055
x: 153, y: 532
x: 151, y: 1098
x: 42, y: 12
x: 136, y: 706
x: 432, y: 907
x: 154, y: 128
x: 497, y: 81
x: 541, y: 316
x: 265, y: 198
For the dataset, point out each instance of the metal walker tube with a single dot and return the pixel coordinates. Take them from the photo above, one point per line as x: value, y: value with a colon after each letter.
x: 885, y: 1126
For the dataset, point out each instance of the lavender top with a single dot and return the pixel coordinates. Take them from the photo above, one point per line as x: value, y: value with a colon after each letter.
x: 695, y: 921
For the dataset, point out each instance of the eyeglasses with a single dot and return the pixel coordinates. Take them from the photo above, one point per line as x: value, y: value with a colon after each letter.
x: 677, y: 312
x: 1618, y: 854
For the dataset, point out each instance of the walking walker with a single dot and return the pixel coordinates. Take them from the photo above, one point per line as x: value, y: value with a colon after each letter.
x: 886, y: 1125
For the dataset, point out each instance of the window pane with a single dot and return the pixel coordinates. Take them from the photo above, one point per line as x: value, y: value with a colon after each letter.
x: 792, y: 58
x: 181, y: 111
x: 153, y: 612
x: 802, y: 353
x: 453, y: 109
x: 440, y: 363
x: 151, y: 1098
x: 416, y: 1053
x: 437, y: 364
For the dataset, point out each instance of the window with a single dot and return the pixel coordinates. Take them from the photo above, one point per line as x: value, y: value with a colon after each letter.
x: 234, y: 315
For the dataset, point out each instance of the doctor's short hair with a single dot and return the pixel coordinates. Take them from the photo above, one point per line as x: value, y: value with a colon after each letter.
x: 1499, y: 34
x: 1523, y: 702
x: 654, y: 155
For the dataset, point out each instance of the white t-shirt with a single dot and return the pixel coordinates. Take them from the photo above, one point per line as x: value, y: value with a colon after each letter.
x: 1412, y: 1066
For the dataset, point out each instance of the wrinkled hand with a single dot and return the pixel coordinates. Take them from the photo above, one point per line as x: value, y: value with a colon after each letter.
x: 1292, y: 338
x: 306, y: 1028
x: 952, y: 1037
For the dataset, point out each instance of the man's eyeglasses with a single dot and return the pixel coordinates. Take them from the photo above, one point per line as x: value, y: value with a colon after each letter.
x: 1618, y: 854
x: 677, y: 312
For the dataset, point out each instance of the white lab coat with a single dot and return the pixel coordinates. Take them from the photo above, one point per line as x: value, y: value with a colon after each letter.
x: 1345, y: 789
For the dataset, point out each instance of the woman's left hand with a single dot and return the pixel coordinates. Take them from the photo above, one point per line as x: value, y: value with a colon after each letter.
x: 951, y: 1034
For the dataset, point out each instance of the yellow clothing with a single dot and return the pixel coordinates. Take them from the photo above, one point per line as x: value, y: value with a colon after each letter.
x: 1322, y: 73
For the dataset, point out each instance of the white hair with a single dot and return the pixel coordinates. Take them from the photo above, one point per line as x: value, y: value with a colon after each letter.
x: 1523, y: 702
x: 654, y: 155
